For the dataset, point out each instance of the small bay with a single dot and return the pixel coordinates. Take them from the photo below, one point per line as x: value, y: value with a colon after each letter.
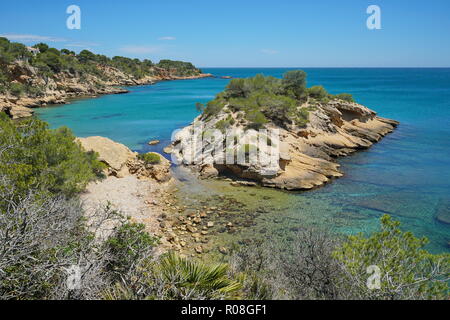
x: 406, y: 175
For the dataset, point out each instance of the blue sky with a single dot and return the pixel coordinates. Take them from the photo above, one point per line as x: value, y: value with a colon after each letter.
x: 245, y: 33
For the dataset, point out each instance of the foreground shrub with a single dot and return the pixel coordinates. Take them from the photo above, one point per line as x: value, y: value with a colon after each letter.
x: 126, y: 247
x: 34, y: 157
x: 42, y: 237
x: 317, y: 265
x: 173, y: 277
x: 407, y: 271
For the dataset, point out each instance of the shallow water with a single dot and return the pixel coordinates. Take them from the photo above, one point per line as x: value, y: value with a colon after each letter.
x: 406, y: 175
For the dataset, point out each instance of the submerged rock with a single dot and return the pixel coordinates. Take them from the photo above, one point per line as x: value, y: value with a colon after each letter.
x: 153, y: 142
x: 443, y: 211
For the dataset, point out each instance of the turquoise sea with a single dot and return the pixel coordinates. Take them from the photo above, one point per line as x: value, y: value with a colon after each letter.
x: 406, y: 175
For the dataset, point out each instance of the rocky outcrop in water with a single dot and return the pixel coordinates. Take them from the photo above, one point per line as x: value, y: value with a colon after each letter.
x: 306, y: 155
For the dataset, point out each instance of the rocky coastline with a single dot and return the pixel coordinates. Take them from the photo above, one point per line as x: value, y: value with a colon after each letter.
x: 307, y: 154
x: 64, y: 87
x: 147, y: 194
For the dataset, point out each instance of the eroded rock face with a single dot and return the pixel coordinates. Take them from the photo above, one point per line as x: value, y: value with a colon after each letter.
x: 66, y: 85
x: 114, y: 154
x: 123, y: 162
x: 305, y: 155
x: 159, y: 171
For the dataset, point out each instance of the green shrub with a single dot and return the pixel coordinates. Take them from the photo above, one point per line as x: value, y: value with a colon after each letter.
x: 294, y: 83
x: 126, y: 245
x: 319, y: 93
x: 302, y: 117
x: 407, y: 270
x: 150, y: 158
x: 222, y: 125
x: 35, y: 157
x: 345, y: 96
x: 16, y: 89
x: 180, y: 68
x: 257, y: 119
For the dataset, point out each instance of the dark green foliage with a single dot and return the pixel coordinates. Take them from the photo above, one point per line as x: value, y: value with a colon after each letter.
x: 345, y: 96
x: 131, y: 66
x: 51, y: 58
x: 86, y: 56
x: 319, y: 93
x: 42, y: 47
x: 257, y: 119
x: 294, y: 83
x: 35, y: 157
x: 17, y: 89
x: 67, y: 52
x: 50, y: 61
x: 10, y: 51
x: 150, y: 158
x: 320, y: 265
x: 181, y: 68
x: 262, y: 99
x: 407, y: 270
x: 126, y: 246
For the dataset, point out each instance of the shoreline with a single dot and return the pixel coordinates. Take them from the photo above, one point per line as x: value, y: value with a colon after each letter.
x: 22, y: 107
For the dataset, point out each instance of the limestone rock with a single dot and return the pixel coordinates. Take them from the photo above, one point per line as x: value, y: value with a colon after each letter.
x: 298, y: 158
x: 18, y: 112
x: 114, y: 154
x: 153, y: 142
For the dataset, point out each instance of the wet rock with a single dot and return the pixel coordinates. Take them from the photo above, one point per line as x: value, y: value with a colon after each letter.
x: 197, y: 220
x: 199, y: 250
x: 191, y: 229
x: 223, y: 250
x: 168, y: 150
x: 153, y: 142
x: 210, y: 224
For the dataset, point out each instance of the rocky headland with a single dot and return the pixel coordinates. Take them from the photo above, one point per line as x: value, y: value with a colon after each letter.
x: 314, y: 129
x: 40, y: 76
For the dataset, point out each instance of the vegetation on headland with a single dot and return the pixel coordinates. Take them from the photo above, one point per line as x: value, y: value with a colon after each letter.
x: 50, y: 62
x: 261, y: 99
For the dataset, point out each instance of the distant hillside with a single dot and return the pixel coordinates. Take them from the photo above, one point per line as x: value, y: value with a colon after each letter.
x: 31, y: 77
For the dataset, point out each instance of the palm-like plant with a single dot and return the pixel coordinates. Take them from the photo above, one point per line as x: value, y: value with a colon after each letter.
x: 174, y: 277
x: 189, y: 278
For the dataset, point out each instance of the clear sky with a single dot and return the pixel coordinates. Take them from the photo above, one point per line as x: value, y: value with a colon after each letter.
x: 242, y: 33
